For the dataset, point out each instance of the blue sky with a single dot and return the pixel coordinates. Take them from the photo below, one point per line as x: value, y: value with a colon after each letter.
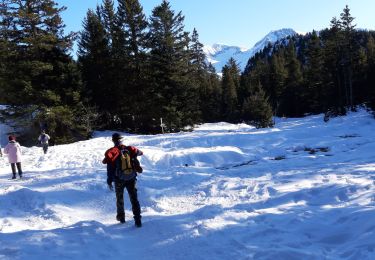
x: 242, y: 22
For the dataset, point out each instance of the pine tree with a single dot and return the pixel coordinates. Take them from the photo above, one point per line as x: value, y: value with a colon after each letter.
x: 347, y: 27
x: 201, y: 77
x: 198, y: 58
x: 132, y: 24
x: 94, y: 59
x: 256, y: 109
x: 107, y: 15
x: 290, y: 102
x: 278, y: 75
x: 333, y: 81
x: 172, y: 95
x: 230, y: 86
x: 314, y: 76
x: 211, y: 97
x: 370, y: 46
x: 40, y: 75
x: 7, y: 56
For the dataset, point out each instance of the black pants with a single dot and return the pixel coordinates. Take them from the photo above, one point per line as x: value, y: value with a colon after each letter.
x: 13, y: 165
x: 45, y: 148
x: 133, y: 196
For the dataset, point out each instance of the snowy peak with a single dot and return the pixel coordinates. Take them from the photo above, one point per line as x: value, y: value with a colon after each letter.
x: 219, y: 54
x: 218, y: 48
x: 272, y: 37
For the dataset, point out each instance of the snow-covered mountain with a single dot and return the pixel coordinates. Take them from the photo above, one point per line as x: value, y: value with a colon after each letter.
x: 219, y: 54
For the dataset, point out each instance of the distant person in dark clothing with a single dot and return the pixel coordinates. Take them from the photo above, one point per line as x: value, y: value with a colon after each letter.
x: 43, y: 140
x: 122, y: 168
x: 13, y: 150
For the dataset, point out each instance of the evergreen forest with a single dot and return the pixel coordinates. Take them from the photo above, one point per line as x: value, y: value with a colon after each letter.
x: 131, y: 71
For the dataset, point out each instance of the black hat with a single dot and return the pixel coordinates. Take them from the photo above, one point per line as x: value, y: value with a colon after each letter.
x: 116, y: 137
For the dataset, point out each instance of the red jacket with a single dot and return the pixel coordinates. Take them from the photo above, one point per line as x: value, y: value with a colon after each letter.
x: 112, y: 153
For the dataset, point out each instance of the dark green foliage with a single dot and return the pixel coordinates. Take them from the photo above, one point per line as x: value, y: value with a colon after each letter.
x: 133, y: 71
x: 210, y: 98
x: 330, y: 71
x: 290, y: 102
x: 277, y: 78
x: 256, y: 110
x: 93, y: 58
x: 36, y: 72
x: 172, y: 90
x: 370, y: 71
x: 313, y: 96
x: 132, y: 41
x: 230, y: 88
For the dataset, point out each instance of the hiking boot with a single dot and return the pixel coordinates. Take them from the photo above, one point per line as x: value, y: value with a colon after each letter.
x: 14, y: 176
x: 120, y: 218
x: 138, y: 222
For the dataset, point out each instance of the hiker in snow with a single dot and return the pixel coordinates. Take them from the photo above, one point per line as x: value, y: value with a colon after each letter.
x: 43, y: 140
x: 122, y: 168
x: 13, y: 150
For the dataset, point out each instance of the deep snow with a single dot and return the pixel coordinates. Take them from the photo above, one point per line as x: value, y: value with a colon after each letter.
x: 301, y: 190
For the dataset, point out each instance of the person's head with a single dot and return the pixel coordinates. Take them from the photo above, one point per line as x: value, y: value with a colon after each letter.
x: 43, y: 131
x: 116, y: 138
x: 11, y: 138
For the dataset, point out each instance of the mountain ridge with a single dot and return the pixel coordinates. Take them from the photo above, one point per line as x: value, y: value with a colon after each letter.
x: 219, y: 54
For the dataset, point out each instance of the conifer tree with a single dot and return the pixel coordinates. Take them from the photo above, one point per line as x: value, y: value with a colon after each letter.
x: 200, y: 76
x: 211, y: 96
x: 173, y: 98
x: 41, y: 75
x: 370, y: 46
x: 291, y: 101
x: 230, y: 86
x: 198, y: 58
x: 7, y: 56
x: 313, y: 98
x: 107, y: 15
x: 256, y: 109
x: 278, y: 75
x: 333, y: 81
x: 94, y: 60
x: 347, y: 27
x: 132, y: 25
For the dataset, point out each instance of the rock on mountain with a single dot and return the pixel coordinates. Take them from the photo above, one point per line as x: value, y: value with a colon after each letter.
x: 219, y: 54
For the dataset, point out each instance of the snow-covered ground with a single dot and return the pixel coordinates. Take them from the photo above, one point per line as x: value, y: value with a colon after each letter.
x: 301, y: 190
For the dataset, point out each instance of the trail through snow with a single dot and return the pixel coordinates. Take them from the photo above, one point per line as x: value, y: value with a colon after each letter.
x: 301, y: 190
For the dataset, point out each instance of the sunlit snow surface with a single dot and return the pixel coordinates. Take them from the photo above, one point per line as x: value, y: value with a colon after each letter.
x: 301, y: 190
